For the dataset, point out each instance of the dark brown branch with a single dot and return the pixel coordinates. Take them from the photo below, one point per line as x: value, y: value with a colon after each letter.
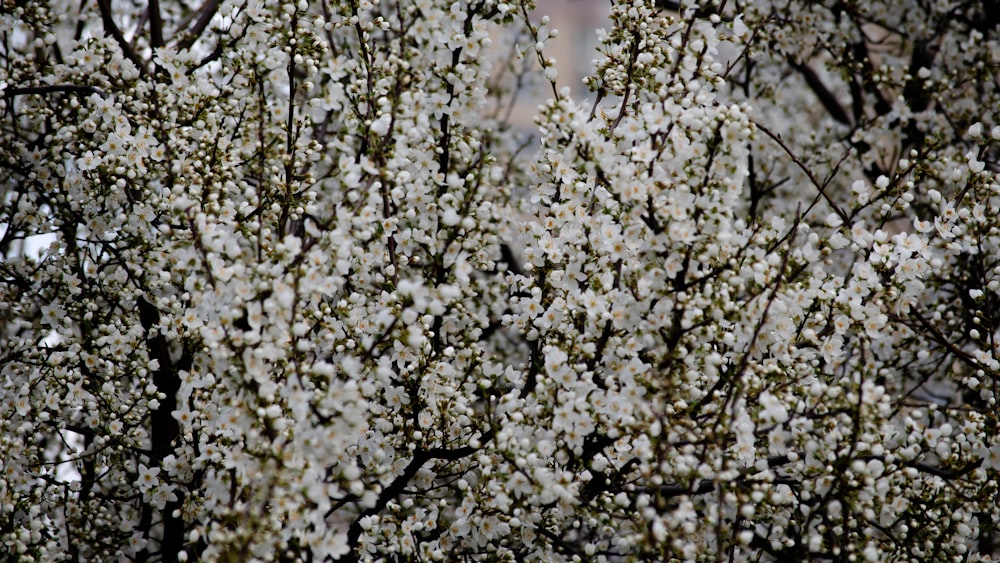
x: 205, y: 14
x: 858, y: 53
x: 164, y: 428
x: 420, y: 457
x: 42, y: 90
x: 916, y: 91
x: 940, y: 338
x: 155, y: 24
x: 826, y: 97
x: 534, y: 368
x: 949, y: 474
x: 812, y: 178
x: 111, y: 29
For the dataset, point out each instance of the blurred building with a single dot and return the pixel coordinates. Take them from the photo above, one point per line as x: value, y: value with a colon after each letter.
x: 574, y: 49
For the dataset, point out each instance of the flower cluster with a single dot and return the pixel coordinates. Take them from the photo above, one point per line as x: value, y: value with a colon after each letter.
x: 280, y: 281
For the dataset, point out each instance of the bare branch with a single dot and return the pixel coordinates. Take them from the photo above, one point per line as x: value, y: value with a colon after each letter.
x: 812, y: 178
x: 826, y: 97
x: 155, y: 24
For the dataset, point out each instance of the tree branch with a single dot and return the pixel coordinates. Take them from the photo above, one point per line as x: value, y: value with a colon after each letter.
x: 155, y: 24
x: 812, y: 178
x: 826, y: 97
x: 204, y: 16
x: 42, y: 90
x: 399, y: 484
x: 112, y: 30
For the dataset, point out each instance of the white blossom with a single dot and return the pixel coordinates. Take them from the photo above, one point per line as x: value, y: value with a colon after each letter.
x: 286, y: 280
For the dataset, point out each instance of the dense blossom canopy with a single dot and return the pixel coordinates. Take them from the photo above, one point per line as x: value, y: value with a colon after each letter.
x: 281, y: 281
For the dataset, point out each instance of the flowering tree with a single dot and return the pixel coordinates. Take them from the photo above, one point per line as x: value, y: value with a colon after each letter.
x: 307, y: 297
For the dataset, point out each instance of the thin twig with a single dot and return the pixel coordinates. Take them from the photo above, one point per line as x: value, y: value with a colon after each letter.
x: 821, y: 187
